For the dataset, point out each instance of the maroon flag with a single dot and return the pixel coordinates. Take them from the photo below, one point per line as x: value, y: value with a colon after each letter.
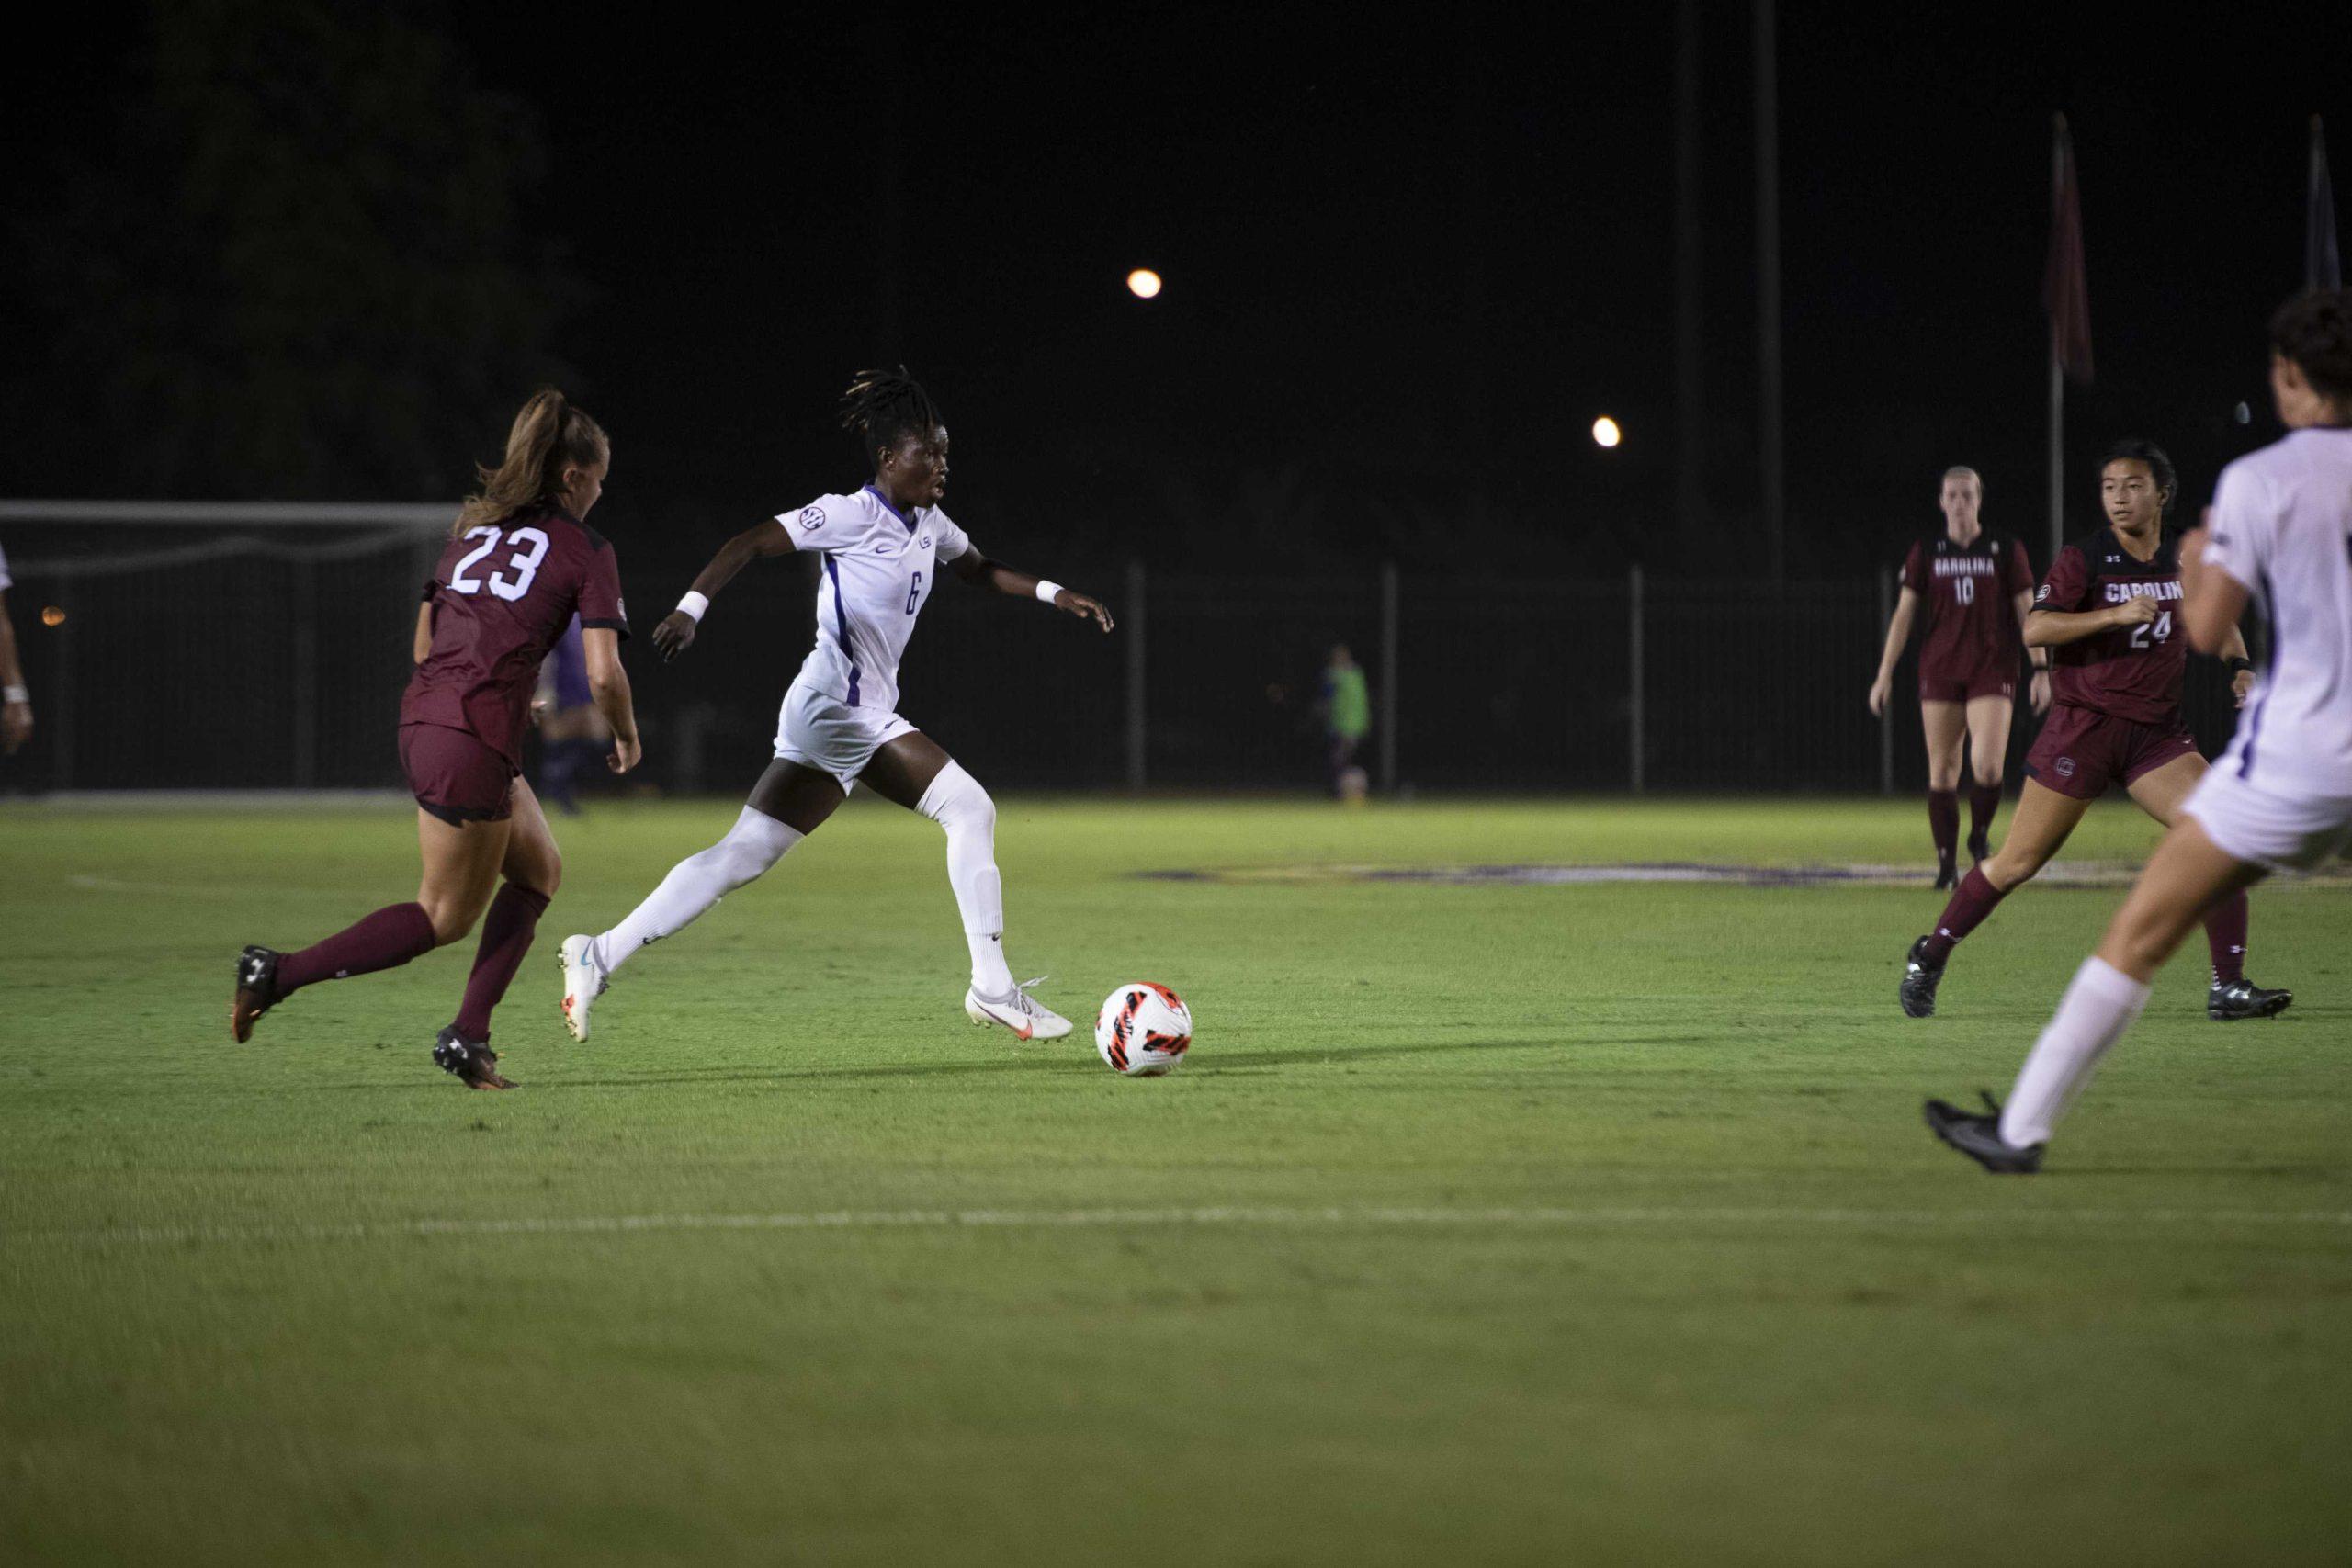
x: 2322, y: 266
x: 2065, y: 292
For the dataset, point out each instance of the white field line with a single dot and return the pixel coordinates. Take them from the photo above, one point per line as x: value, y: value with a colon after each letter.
x: 1653, y: 1218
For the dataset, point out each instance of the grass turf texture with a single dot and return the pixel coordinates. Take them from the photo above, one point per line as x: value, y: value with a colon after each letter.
x: 1682, y: 1275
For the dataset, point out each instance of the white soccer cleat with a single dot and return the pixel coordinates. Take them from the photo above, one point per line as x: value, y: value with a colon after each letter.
x: 584, y: 981
x: 1022, y: 1013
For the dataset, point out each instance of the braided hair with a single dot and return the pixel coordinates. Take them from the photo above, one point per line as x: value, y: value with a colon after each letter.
x: 884, y: 407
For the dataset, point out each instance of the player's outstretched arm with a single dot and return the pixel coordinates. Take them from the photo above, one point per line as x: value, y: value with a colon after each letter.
x: 1898, y: 637
x: 974, y: 567
x: 608, y: 688
x: 676, y: 632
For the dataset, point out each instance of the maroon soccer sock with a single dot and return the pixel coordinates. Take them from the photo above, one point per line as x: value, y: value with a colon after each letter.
x: 1984, y: 801
x: 2225, y: 935
x: 1943, y: 820
x: 385, y: 940
x: 506, y: 934
x: 1971, y: 901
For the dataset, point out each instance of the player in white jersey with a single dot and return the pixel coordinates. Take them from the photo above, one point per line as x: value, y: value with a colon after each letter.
x: 881, y: 549
x: 2280, y: 797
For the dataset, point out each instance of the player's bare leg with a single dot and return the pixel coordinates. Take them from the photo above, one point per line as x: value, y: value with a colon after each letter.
x: 2184, y: 881
x: 2044, y: 821
x: 2161, y: 792
x: 791, y: 802
x: 1945, y: 725
x: 460, y: 868
x: 913, y: 771
x: 1988, y: 747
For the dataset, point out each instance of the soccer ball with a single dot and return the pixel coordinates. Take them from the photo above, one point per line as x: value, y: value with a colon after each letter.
x: 1143, y: 1030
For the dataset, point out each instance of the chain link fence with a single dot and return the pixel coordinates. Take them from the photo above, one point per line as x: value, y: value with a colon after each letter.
x: 265, y: 648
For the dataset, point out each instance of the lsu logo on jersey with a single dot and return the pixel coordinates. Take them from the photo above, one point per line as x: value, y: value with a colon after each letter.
x: 812, y: 518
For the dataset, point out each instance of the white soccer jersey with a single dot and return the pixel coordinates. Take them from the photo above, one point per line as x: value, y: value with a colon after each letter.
x: 2282, y: 526
x: 878, y: 568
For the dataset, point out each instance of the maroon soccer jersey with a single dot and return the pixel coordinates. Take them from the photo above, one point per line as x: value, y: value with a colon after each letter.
x: 501, y: 598
x: 2131, y: 672
x: 1970, y: 592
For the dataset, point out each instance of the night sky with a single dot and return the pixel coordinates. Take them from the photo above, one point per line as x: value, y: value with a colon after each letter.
x: 1408, y: 261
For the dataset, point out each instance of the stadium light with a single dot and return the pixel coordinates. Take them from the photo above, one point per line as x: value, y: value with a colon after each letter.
x: 1143, y: 283
x: 1605, y: 431
x: 52, y: 616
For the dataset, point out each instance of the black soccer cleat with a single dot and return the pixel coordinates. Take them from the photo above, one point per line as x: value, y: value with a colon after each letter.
x: 471, y: 1063
x: 256, y: 990
x: 1979, y: 1138
x: 2243, y: 998
x: 1920, y: 979
x: 1947, y: 878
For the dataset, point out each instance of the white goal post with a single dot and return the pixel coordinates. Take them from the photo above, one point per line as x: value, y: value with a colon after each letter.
x: 215, y: 644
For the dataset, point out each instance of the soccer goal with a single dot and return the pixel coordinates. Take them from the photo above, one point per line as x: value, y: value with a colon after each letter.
x: 215, y: 644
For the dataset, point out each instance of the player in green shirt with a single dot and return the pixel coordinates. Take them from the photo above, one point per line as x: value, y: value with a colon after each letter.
x: 1347, y: 713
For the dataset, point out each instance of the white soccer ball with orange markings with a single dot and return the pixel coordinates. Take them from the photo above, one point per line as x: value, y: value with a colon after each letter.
x: 1143, y: 1030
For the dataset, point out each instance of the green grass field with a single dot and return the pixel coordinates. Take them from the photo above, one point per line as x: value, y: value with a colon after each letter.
x: 1486, y: 1224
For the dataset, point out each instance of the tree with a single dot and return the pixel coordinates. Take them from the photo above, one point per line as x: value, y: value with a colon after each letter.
x: 302, y: 271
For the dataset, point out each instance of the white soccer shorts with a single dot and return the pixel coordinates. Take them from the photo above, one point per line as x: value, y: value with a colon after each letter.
x: 2262, y: 827
x: 817, y: 730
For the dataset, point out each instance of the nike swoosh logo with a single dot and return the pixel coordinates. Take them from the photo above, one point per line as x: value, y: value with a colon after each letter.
x: 1021, y: 1027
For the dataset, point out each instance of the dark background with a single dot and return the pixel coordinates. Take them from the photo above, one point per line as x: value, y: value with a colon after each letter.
x: 311, y: 250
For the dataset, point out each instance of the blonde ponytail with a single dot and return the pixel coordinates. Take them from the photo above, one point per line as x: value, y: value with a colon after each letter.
x: 549, y: 436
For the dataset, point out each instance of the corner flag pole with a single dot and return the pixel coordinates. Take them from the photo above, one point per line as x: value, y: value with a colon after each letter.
x: 2065, y: 292
x: 2322, y: 266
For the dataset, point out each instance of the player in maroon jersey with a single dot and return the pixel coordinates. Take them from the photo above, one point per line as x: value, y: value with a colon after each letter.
x: 2106, y: 611
x: 520, y: 563
x: 1977, y: 587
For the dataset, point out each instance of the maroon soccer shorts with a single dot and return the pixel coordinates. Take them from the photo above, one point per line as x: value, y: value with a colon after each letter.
x: 1940, y: 684
x: 454, y: 776
x: 2080, y: 752
x: 1967, y: 687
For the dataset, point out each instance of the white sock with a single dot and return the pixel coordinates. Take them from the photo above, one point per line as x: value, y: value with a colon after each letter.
x: 756, y: 842
x: 2094, y: 1013
x: 957, y: 803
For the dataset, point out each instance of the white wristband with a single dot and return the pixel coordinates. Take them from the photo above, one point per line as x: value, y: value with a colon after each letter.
x: 1045, y: 590
x: 694, y: 604
x: 15, y: 695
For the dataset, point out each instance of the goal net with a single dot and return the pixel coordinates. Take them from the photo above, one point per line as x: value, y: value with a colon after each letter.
x: 233, y: 645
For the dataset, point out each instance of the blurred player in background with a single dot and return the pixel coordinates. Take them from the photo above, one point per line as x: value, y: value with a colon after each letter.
x: 520, y: 563
x: 1347, y: 719
x: 16, y: 699
x: 2280, y: 797
x: 881, y: 551
x: 1977, y: 586
x: 2106, y: 611
x: 573, y: 732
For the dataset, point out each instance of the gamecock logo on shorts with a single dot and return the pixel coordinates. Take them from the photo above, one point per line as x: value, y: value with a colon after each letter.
x: 2066, y: 767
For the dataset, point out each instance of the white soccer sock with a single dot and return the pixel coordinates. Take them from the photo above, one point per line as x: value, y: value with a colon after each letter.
x: 756, y: 842
x: 957, y: 803
x: 2094, y: 1013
